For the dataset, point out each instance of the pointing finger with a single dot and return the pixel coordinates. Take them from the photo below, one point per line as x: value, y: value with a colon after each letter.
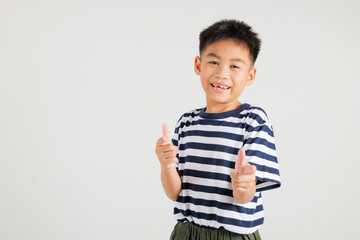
x: 241, y: 162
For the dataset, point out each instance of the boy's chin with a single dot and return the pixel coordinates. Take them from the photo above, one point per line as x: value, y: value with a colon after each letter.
x: 221, y: 99
x: 223, y: 102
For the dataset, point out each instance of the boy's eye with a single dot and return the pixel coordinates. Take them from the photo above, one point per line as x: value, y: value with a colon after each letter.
x: 213, y: 62
x: 234, y: 66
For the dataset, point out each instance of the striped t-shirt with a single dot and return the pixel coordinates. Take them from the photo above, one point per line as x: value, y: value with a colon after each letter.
x: 208, y: 146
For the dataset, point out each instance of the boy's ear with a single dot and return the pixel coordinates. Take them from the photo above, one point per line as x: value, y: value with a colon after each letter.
x: 251, y: 76
x: 197, y: 65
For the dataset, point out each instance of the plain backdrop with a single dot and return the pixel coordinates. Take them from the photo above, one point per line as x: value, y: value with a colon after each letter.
x: 86, y: 85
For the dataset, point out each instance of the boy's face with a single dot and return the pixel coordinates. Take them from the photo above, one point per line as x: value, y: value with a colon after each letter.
x: 225, y: 68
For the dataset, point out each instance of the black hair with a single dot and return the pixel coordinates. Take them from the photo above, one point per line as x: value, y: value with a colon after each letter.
x: 232, y: 29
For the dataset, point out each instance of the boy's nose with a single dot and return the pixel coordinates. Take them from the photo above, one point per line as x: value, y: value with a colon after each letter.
x: 222, y: 72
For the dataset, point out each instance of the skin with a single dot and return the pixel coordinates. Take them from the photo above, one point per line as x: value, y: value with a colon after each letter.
x: 243, y: 179
x: 225, y: 69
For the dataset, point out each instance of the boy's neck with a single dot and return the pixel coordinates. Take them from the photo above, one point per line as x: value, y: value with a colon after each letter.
x: 220, y: 108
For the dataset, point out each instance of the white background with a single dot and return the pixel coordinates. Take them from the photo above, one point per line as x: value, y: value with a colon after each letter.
x: 86, y: 85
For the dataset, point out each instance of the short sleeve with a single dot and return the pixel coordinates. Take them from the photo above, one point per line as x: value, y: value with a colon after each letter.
x: 259, y: 146
x: 176, y: 137
x: 180, y: 125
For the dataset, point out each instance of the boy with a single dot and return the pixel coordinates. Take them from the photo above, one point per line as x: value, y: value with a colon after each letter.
x: 222, y: 156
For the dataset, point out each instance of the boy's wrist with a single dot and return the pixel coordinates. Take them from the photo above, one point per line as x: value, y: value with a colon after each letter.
x: 167, y: 168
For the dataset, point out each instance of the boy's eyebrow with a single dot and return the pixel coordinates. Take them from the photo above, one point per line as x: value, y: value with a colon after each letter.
x: 212, y: 55
x: 233, y: 59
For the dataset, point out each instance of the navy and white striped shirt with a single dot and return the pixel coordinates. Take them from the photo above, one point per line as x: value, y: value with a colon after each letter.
x: 208, y: 146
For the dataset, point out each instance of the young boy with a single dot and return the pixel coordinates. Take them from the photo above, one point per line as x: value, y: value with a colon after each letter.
x: 222, y: 156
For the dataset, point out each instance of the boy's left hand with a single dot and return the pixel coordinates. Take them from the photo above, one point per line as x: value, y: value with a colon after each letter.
x: 243, y: 179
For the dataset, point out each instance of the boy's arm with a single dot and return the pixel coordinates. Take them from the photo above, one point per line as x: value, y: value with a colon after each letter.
x: 166, y: 153
x: 171, y: 182
x: 243, y: 179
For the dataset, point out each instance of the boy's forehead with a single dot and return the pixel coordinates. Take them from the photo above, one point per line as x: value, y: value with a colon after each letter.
x: 228, y: 49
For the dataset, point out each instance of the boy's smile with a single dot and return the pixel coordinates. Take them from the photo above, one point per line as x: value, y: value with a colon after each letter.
x: 225, y: 68
x: 219, y: 87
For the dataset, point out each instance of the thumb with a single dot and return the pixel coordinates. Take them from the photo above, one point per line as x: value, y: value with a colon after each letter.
x: 166, y: 134
x: 248, y: 170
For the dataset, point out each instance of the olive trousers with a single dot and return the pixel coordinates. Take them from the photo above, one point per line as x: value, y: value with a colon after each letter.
x: 190, y: 231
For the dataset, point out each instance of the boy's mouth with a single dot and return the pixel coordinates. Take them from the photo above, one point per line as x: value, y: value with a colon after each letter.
x: 219, y: 87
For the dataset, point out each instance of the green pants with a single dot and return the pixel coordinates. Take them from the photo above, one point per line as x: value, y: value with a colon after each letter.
x: 189, y: 231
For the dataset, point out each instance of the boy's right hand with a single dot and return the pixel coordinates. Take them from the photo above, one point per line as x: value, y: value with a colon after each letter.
x: 165, y: 150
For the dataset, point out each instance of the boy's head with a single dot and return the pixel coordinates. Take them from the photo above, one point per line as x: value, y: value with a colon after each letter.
x: 228, y: 50
x: 239, y: 32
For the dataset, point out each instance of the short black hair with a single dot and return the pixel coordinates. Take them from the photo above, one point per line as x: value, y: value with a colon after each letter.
x: 232, y: 29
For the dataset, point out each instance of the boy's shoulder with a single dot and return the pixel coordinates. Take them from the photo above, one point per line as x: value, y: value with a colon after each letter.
x: 257, y: 113
x: 255, y: 116
x: 190, y: 114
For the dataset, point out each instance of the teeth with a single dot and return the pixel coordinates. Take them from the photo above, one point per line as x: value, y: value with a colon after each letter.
x: 221, y: 87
